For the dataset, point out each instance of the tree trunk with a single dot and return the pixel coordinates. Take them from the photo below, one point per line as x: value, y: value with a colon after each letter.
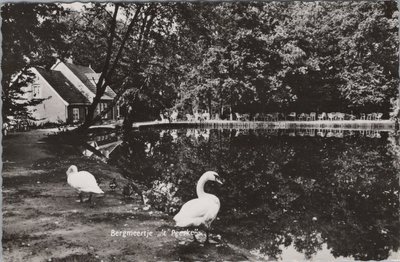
x: 209, y: 102
x: 108, y: 69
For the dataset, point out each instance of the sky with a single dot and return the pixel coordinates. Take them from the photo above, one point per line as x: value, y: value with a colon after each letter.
x: 77, y: 6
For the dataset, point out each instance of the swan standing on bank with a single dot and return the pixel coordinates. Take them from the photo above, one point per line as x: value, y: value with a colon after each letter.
x: 202, y: 210
x: 83, y: 182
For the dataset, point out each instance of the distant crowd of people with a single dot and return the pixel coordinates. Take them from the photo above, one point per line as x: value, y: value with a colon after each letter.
x: 203, y: 115
x: 200, y: 115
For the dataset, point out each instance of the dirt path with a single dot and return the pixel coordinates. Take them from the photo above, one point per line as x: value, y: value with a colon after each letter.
x: 43, y: 222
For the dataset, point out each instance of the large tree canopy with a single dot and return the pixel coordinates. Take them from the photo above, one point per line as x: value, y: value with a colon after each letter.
x: 320, y: 56
x: 249, y: 57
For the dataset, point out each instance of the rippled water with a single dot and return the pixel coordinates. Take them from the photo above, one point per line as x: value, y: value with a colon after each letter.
x: 288, y: 194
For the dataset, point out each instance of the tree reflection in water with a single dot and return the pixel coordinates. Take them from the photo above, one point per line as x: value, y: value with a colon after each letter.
x: 281, y: 190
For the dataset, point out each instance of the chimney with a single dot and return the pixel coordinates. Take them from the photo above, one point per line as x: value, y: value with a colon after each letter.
x: 69, y: 60
x: 55, y: 64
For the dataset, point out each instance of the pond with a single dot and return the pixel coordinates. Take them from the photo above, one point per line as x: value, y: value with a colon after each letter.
x: 288, y: 194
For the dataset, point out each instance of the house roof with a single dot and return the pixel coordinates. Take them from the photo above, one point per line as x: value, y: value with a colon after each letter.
x: 63, y: 86
x: 82, y: 72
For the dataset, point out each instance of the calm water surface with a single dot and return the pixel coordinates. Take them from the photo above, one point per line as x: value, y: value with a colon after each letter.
x: 311, y: 194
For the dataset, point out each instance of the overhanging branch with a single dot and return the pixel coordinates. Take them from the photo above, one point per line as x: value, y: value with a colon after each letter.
x: 104, y: 72
x: 121, y: 48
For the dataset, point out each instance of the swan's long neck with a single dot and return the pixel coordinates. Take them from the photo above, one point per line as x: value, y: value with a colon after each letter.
x: 200, y: 186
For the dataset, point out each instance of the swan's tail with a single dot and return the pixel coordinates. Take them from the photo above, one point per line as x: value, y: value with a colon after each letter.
x: 97, y: 190
x: 182, y: 221
x: 178, y: 221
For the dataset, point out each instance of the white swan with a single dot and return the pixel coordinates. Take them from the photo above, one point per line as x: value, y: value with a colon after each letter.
x: 83, y: 182
x: 202, y: 210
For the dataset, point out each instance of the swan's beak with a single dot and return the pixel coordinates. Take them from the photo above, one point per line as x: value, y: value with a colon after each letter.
x: 219, y: 181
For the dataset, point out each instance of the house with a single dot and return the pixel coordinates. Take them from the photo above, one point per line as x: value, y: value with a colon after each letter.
x: 67, y: 90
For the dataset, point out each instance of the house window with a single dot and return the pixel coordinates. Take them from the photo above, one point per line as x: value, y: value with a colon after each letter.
x: 75, y: 114
x: 103, y: 106
x: 36, y: 90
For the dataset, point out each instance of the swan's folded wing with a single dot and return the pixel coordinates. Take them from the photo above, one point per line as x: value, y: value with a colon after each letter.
x: 84, y: 181
x: 87, y: 178
x: 196, y: 207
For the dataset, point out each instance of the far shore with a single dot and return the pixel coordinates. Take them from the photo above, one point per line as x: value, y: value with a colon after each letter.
x: 382, y: 125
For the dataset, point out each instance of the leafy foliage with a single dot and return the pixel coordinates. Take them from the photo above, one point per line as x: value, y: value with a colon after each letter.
x: 295, y: 56
x: 32, y: 36
x: 246, y: 57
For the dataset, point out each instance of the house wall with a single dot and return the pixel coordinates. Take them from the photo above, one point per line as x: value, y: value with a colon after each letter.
x: 74, y: 80
x: 53, y: 109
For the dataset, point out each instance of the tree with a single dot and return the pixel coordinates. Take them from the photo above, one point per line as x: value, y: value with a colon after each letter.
x: 32, y: 36
x: 124, y: 46
x: 293, y: 56
x: 368, y: 50
x: 251, y: 57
